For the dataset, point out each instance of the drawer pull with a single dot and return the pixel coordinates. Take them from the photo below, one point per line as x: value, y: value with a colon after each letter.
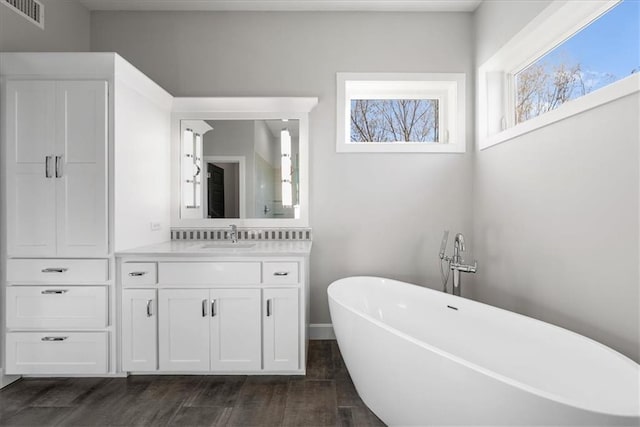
x: 213, y: 308
x: 54, y: 338
x: 54, y: 291
x: 268, y: 308
x: 205, y: 308
x: 281, y: 273
x: 137, y: 273
x: 54, y: 270
x: 149, y: 308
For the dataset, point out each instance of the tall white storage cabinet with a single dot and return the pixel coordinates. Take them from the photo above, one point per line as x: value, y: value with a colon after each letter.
x: 71, y: 150
x: 57, y: 168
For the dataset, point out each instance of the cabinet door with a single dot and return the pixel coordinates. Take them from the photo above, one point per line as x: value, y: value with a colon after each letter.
x: 30, y: 121
x: 281, y: 334
x: 139, y: 330
x: 235, y: 330
x: 80, y: 162
x: 184, y: 329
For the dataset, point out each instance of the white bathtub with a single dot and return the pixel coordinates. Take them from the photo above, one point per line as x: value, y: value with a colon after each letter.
x: 420, y: 357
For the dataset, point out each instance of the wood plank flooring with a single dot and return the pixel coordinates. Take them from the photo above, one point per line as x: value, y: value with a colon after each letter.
x: 324, y: 397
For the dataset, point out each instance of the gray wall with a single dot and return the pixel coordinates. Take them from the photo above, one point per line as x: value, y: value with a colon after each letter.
x: 66, y: 29
x: 377, y: 214
x: 556, y: 211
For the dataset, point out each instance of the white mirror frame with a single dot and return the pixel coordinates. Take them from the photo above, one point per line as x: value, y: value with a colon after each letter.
x: 241, y: 108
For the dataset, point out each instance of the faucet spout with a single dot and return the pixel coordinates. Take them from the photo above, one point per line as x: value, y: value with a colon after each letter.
x: 458, y: 243
x: 233, y: 234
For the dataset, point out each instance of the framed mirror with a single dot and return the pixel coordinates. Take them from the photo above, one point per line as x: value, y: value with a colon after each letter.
x: 240, y: 161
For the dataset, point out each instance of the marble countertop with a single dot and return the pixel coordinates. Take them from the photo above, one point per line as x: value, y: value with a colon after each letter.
x: 204, y: 248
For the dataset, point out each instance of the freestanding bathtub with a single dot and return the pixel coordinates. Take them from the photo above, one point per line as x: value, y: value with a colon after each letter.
x: 420, y: 357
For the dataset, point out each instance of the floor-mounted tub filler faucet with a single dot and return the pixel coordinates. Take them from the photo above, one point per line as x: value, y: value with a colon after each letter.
x: 456, y: 263
x: 233, y: 234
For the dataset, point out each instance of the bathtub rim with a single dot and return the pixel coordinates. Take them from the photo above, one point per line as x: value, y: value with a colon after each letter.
x: 502, y: 378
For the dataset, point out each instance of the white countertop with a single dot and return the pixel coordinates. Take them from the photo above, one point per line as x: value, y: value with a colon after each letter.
x: 197, y: 248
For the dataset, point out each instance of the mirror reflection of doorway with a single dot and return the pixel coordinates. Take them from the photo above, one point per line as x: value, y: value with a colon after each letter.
x: 223, y: 187
x: 215, y: 196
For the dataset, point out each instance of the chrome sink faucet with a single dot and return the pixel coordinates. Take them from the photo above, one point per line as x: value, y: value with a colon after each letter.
x: 456, y: 263
x: 233, y: 234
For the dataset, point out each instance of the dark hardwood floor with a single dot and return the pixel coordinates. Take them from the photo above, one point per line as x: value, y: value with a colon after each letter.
x: 324, y: 397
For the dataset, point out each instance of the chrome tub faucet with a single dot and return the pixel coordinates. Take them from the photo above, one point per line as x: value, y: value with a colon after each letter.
x: 456, y: 263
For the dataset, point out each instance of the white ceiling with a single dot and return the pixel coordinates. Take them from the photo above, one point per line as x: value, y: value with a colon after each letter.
x: 288, y: 5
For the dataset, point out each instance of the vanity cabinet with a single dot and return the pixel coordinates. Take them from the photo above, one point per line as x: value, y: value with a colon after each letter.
x: 56, y: 168
x: 223, y: 315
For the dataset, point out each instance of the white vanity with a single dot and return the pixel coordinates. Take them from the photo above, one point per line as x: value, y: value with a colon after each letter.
x: 100, y: 177
x: 199, y: 306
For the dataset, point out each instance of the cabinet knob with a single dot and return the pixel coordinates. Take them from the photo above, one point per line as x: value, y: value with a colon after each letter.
x: 269, y: 308
x: 281, y: 273
x: 149, y: 308
x: 54, y: 291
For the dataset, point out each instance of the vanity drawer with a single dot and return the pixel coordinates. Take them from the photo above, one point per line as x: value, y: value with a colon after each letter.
x: 209, y: 273
x: 58, y: 270
x: 139, y: 273
x: 63, y: 353
x: 60, y: 307
x: 281, y: 273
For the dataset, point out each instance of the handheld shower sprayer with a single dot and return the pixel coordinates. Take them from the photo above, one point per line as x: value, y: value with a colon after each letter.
x: 444, y: 258
x: 443, y: 244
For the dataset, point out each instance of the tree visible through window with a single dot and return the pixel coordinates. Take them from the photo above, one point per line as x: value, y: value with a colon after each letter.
x: 605, y: 51
x: 394, y: 120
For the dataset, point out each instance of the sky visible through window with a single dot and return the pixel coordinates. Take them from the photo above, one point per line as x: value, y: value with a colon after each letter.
x: 605, y: 51
x: 610, y: 44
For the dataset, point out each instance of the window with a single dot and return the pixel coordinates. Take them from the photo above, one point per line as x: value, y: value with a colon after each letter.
x: 573, y: 57
x: 400, y: 113
x: 602, y: 53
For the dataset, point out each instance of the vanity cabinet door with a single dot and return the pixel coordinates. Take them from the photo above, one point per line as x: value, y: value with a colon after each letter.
x: 235, y: 330
x: 281, y: 335
x: 139, y: 330
x: 184, y: 329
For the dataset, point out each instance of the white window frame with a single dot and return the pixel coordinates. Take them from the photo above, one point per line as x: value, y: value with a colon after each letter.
x: 447, y: 88
x: 496, y: 77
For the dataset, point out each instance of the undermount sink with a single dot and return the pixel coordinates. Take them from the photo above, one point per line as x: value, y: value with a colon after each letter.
x: 227, y: 245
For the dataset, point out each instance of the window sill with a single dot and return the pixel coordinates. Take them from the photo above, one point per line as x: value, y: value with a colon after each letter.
x: 627, y: 86
x: 400, y: 147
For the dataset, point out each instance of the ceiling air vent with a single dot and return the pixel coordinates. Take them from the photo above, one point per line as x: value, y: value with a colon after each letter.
x: 32, y: 10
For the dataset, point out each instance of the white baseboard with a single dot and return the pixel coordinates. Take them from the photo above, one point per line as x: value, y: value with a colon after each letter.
x: 5, y: 380
x: 321, y: 331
